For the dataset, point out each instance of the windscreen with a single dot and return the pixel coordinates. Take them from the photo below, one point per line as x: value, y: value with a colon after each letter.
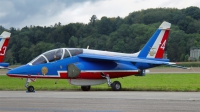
x: 54, y: 55
x: 39, y: 60
x: 48, y: 56
x: 66, y: 54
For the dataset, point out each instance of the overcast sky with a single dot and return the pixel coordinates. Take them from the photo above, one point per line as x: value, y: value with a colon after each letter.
x: 20, y: 13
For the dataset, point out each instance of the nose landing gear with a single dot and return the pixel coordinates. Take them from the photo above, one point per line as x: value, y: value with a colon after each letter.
x: 29, y: 88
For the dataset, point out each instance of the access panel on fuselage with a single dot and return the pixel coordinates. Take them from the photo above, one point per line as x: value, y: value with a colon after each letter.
x: 73, y: 71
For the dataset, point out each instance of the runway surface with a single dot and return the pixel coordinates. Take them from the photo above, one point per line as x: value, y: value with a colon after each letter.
x: 99, y: 101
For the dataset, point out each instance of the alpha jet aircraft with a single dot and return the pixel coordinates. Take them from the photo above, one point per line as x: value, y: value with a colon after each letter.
x: 87, y: 67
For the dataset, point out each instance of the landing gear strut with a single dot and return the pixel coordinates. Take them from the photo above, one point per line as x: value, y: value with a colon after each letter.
x: 29, y: 88
x: 116, y: 85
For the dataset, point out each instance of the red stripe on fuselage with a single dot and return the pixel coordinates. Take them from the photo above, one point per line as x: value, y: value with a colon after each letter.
x: 97, y: 75
x: 82, y: 75
x: 161, y: 48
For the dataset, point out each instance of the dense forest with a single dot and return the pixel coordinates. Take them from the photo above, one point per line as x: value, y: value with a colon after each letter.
x: 127, y: 35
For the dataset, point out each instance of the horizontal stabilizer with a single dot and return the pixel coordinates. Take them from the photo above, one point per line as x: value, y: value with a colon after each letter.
x: 174, y: 65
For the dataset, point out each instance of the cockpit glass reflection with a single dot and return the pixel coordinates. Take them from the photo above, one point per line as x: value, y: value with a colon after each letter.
x: 75, y: 51
x: 48, y: 56
x: 40, y: 60
x: 66, y: 55
x: 54, y: 55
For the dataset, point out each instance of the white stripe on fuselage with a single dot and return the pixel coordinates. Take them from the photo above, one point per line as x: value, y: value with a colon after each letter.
x: 99, y: 52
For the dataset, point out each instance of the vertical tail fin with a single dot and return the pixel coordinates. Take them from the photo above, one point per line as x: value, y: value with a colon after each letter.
x: 155, y: 47
x: 4, y: 39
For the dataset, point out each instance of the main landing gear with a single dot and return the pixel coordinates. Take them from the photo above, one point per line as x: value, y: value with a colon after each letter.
x: 29, y: 88
x: 85, y: 88
x: 116, y: 85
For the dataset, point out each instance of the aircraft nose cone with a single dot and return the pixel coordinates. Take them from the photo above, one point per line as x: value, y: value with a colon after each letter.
x: 12, y: 72
x: 19, y: 71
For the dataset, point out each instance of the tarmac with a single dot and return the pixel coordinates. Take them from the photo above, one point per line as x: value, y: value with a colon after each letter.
x: 98, y: 101
x: 102, y: 101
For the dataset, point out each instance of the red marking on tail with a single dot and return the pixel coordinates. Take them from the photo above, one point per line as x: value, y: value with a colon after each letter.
x: 3, y: 50
x: 162, y: 46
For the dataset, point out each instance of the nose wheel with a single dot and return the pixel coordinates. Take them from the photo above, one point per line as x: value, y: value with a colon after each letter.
x: 29, y: 88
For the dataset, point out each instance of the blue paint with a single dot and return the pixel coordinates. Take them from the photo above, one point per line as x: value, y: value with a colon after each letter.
x: 145, y: 50
x: 4, y: 64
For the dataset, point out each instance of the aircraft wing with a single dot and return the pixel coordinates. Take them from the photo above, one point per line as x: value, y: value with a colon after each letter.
x: 129, y: 59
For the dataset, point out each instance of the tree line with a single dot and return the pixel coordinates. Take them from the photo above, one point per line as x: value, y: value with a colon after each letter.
x: 127, y: 35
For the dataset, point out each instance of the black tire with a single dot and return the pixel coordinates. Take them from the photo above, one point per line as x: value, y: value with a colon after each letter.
x: 116, y: 86
x: 85, y: 88
x: 30, y: 89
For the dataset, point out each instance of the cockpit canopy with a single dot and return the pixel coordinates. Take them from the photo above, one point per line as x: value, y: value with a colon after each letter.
x: 56, y: 54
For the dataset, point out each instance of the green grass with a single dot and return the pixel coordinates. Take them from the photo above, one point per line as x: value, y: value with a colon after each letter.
x: 150, y: 82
